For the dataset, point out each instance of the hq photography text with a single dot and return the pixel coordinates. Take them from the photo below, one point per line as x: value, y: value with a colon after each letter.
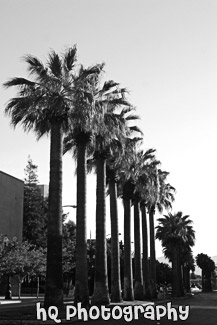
x: 128, y: 313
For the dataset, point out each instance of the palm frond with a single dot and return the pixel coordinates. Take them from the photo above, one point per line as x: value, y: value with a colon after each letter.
x: 126, y: 109
x: 132, y: 117
x: 136, y: 129
x: 93, y: 70
x: 68, y: 143
x: 35, y: 66
x: 108, y: 85
x: 91, y: 165
x: 69, y: 58
x: 54, y: 63
x: 18, y: 82
x: 150, y: 151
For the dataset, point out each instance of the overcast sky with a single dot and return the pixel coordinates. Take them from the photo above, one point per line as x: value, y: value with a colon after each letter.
x: 164, y: 52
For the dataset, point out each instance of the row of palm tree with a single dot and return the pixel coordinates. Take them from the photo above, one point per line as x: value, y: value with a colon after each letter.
x: 95, y: 121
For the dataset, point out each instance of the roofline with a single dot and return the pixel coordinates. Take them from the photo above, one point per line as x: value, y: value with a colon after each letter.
x: 17, y: 179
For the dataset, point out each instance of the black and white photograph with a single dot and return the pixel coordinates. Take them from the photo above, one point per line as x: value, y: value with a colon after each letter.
x: 108, y: 178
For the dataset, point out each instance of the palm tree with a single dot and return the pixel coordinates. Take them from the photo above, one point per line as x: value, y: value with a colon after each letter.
x: 112, y: 129
x: 43, y: 104
x: 208, y: 266
x: 138, y: 276
x: 145, y: 260
x: 114, y: 163
x: 115, y: 251
x: 161, y: 195
x: 78, y: 138
x: 128, y: 189
x: 187, y: 261
x: 175, y: 231
x: 131, y: 170
x: 146, y: 159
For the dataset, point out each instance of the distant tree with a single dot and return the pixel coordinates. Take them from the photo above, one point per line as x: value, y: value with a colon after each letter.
x: 163, y: 273
x: 69, y: 241
x: 20, y: 259
x: 69, y: 232
x: 35, y: 208
x: 38, y: 263
x: 208, y: 266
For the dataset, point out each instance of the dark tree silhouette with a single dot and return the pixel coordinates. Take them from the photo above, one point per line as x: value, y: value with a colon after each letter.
x: 208, y: 266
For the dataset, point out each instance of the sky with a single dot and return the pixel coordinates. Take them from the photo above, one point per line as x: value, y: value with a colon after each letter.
x: 164, y: 53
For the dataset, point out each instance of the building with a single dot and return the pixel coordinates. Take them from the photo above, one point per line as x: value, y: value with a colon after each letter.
x: 11, y: 206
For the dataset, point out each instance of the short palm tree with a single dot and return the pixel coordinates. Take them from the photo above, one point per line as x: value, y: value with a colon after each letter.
x: 175, y: 231
x: 43, y: 104
x: 207, y: 266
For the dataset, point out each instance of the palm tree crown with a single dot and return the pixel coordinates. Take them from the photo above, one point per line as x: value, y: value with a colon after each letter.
x: 175, y: 229
x: 47, y: 97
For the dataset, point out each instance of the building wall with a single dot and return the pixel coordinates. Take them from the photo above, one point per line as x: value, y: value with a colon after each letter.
x: 11, y: 206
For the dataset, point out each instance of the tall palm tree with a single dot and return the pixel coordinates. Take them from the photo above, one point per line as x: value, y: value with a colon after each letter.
x: 114, y: 163
x: 147, y: 163
x: 128, y: 190
x: 132, y: 167
x: 161, y: 195
x: 43, y: 104
x: 145, y: 260
x: 77, y: 139
x: 111, y: 175
x: 175, y: 231
x: 138, y: 276
x: 112, y: 129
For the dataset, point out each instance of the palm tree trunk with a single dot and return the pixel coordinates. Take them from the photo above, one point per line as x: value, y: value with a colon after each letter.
x: 203, y: 282
x: 145, y: 261
x: 181, y: 276
x: 115, y: 256
x: 38, y: 286
x: 186, y: 278
x: 81, y: 278
x: 54, y: 276
x: 153, y: 292
x: 177, y: 287
x: 128, y: 273
x: 207, y: 281
x: 175, y: 272
x: 19, y: 288
x: 138, y: 284
x: 101, y: 293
